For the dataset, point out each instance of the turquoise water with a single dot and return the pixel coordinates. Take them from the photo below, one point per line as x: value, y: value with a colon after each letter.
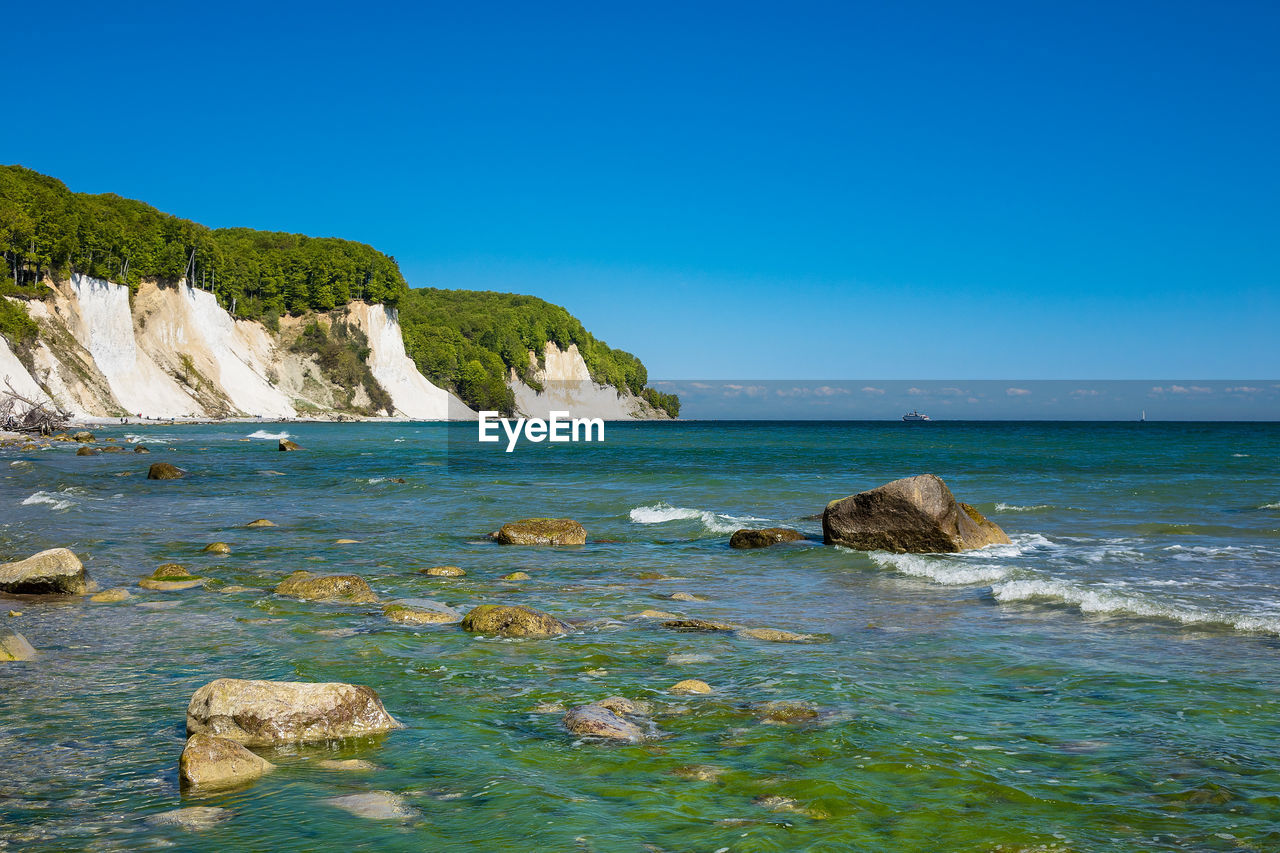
x: 1109, y: 682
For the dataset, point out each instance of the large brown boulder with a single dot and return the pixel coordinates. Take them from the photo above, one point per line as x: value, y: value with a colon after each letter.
x: 165, y: 471
x: 53, y: 572
x: 518, y: 621
x: 266, y: 713
x: 542, y: 531
x: 747, y: 538
x: 917, y: 514
x: 218, y: 762
x: 313, y: 587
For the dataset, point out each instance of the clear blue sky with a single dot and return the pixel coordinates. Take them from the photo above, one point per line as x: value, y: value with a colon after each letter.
x: 900, y: 190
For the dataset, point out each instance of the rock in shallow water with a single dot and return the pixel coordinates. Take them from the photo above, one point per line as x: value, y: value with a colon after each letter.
x: 312, y: 587
x: 287, y: 445
x: 261, y: 522
x: 14, y: 646
x: 443, y: 572
x: 54, y: 572
x: 375, y: 805
x: 775, y: 635
x: 689, y: 687
x: 916, y: 514
x: 405, y: 614
x: 542, y: 531
x: 595, y: 720
x: 518, y: 621
x: 192, y: 818
x: 218, y: 762
x: 165, y: 471
x: 264, y: 713
x: 747, y: 538
x: 111, y: 596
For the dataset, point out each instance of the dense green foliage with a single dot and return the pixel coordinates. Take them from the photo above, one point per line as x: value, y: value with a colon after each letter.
x: 342, y: 352
x: 47, y: 230
x: 468, y: 340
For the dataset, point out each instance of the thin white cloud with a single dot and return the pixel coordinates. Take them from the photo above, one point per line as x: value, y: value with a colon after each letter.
x: 1243, y: 389
x: 916, y: 392
x: 870, y: 390
x: 1085, y: 392
x: 1192, y: 389
x: 1017, y: 392
x: 829, y: 391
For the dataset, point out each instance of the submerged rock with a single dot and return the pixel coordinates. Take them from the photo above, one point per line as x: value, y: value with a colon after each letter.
x: 699, y: 625
x: 775, y: 635
x: 595, y: 720
x: 172, y: 585
x: 217, y: 548
x: 192, y: 818
x: 165, y: 471
x: 54, y: 572
x: 690, y: 686
x: 409, y: 615
x: 442, y: 572
x: 138, y: 448
x: 916, y: 515
x: 685, y: 596
x: 517, y: 621
x: 261, y: 522
x: 86, y: 451
x: 375, y: 805
x: 542, y: 531
x: 312, y: 587
x: 217, y: 762
x: 515, y: 576
x: 287, y: 445
x: 783, y: 712
x: 264, y: 713
x: 346, y: 765
x: 747, y: 538
x: 14, y: 646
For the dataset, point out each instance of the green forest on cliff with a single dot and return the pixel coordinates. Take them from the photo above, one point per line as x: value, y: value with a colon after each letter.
x: 466, y: 341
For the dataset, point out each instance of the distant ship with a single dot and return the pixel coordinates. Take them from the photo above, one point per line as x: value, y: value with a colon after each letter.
x: 913, y: 415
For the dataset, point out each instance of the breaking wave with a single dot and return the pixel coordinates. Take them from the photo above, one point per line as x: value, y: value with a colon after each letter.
x: 1003, y: 507
x: 1107, y: 602
x: 943, y: 570
x: 661, y: 513
x: 53, y: 500
x: 274, y: 436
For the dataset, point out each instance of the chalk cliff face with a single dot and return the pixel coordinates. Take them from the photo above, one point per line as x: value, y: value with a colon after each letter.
x: 172, y: 351
x: 567, y: 387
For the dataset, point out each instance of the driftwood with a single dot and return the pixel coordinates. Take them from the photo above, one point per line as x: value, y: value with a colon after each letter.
x: 19, y: 414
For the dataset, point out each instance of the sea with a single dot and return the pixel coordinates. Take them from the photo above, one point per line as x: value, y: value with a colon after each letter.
x: 1108, y: 682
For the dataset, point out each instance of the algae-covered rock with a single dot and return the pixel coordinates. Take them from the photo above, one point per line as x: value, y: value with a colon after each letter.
x: 747, y: 538
x: 775, y: 635
x: 784, y: 712
x: 261, y: 522
x: 699, y: 625
x: 14, y: 646
x: 595, y: 720
x: 685, y: 596
x: 86, y: 451
x: 517, y: 621
x: 312, y: 587
x: 111, y: 596
x: 515, y: 576
x: 139, y: 448
x: 165, y: 471
x: 689, y: 687
x: 542, y: 531
x: 54, y: 572
x: 443, y: 572
x: 217, y: 548
x: 915, y: 515
x: 265, y: 713
x: 83, y: 435
x: 287, y: 445
x: 416, y: 615
x: 210, y: 762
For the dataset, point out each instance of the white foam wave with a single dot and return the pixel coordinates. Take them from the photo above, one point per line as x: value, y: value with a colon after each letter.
x: 1270, y: 506
x: 1109, y: 602
x: 134, y: 438
x: 275, y: 436
x: 944, y: 570
x: 1003, y: 507
x: 661, y: 513
x: 53, y: 500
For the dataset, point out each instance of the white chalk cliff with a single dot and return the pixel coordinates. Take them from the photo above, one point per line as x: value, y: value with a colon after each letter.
x: 567, y: 386
x: 172, y: 351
